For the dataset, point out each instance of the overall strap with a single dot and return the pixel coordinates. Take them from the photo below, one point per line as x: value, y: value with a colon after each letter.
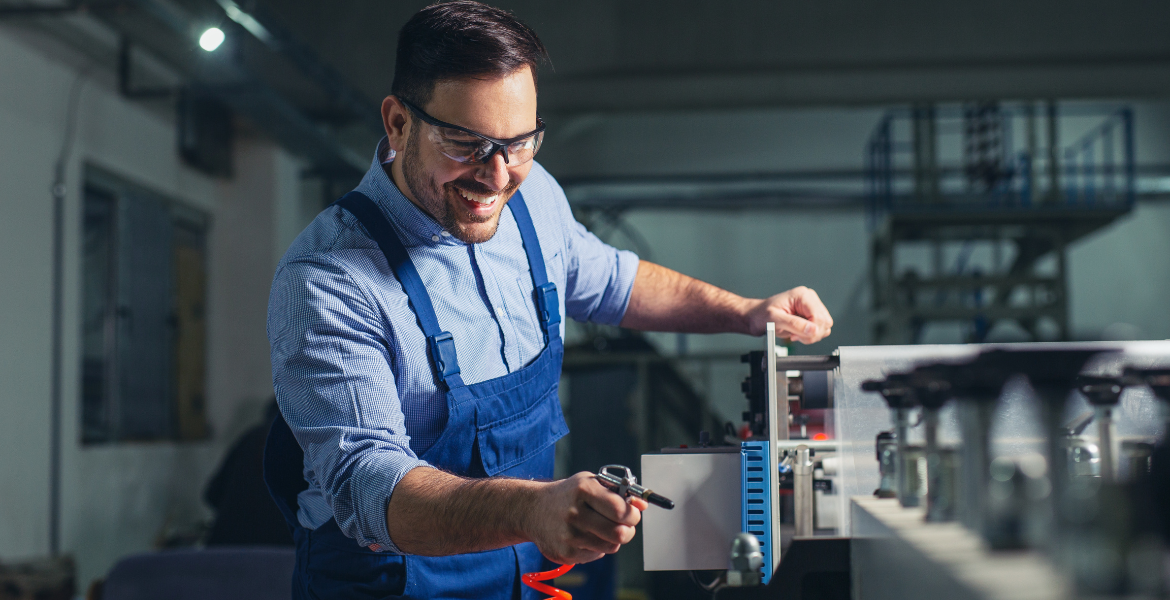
x: 439, y: 342
x: 547, y: 302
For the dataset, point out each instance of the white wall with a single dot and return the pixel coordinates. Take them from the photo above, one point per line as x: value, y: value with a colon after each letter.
x: 256, y: 211
x: 117, y: 499
x: 1119, y: 278
x: 26, y: 161
x: 760, y: 253
x: 757, y: 254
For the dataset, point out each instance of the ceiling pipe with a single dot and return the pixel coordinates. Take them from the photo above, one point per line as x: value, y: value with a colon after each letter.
x: 246, y: 94
x: 276, y: 37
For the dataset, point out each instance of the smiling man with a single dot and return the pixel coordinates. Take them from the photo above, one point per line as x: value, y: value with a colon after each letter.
x: 416, y: 338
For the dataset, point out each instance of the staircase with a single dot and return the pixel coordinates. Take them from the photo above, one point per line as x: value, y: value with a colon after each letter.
x: 972, y: 209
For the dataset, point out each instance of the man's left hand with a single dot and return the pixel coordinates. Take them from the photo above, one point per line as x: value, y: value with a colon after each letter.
x: 799, y: 315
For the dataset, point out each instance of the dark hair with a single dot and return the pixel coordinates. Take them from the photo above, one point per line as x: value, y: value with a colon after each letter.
x: 461, y: 39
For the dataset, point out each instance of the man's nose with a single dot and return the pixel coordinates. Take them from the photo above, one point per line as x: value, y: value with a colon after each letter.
x: 494, y: 173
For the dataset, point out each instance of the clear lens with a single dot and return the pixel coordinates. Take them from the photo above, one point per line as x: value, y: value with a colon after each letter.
x: 526, y: 147
x: 459, y: 145
x: 466, y: 148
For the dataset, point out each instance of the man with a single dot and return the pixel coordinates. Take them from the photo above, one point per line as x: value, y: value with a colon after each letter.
x: 416, y: 337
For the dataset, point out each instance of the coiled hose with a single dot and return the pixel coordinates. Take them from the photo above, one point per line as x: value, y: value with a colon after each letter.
x: 533, y: 580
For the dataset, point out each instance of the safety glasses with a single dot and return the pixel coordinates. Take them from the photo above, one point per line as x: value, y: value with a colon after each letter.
x: 468, y: 147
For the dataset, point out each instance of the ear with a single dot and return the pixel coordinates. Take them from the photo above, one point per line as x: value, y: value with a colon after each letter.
x: 395, y: 119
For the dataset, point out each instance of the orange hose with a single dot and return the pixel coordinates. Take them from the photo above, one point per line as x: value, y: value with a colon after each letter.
x: 533, y: 580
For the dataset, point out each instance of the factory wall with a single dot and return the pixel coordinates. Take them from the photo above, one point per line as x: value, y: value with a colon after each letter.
x: 1119, y: 278
x: 123, y: 497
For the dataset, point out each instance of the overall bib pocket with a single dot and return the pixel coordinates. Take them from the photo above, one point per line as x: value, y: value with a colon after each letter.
x: 508, y: 442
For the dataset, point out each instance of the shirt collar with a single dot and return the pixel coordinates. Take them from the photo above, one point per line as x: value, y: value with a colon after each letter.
x: 414, y: 226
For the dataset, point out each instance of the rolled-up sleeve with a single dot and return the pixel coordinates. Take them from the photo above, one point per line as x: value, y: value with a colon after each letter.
x: 334, y: 383
x: 598, y: 277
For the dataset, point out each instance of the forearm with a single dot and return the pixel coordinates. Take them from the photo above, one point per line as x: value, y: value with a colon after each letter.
x: 572, y: 520
x: 434, y: 513
x: 666, y: 300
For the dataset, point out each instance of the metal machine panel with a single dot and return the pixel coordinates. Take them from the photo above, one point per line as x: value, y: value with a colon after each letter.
x: 705, y: 487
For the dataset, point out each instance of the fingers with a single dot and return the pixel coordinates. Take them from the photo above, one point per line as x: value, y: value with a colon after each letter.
x: 610, y: 505
x: 814, y: 308
x: 796, y: 328
x: 587, y: 520
x: 800, y: 315
x: 592, y: 523
x: 606, y: 515
x: 575, y: 545
x: 588, y: 540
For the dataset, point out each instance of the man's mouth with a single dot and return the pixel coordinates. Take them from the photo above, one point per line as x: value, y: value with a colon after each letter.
x: 481, y: 199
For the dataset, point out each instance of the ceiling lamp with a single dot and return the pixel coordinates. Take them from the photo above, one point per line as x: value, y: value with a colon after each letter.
x: 211, y: 39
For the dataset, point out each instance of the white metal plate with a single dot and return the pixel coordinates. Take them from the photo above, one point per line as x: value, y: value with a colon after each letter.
x: 697, y: 534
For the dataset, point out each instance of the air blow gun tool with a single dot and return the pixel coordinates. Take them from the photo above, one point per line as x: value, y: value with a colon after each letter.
x: 621, y: 481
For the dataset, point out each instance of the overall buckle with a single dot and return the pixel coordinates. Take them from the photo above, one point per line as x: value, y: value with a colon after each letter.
x: 442, y: 347
x: 548, y: 304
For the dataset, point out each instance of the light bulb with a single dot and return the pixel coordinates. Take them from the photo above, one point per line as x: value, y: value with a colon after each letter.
x: 211, y: 39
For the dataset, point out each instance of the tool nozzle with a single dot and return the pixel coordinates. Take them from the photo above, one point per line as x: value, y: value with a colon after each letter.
x: 658, y: 500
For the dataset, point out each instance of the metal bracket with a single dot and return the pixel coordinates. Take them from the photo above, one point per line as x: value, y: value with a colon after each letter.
x: 777, y: 430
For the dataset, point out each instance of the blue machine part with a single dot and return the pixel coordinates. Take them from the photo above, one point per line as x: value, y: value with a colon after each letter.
x: 755, y: 509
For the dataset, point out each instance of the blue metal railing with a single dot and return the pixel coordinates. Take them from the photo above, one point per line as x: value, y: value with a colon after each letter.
x: 1096, y: 170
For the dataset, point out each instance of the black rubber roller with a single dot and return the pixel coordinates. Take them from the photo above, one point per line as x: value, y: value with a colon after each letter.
x: 818, y: 390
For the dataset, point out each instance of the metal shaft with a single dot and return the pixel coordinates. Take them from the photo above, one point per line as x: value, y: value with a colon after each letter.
x: 1048, y: 531
x: 939, y: 488
x: 802, y: 492
x: 907, y: 494
x: 975, y: 424
x: 1105, y: 427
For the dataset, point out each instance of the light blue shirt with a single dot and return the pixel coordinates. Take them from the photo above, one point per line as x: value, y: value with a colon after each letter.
x: 349, y: 360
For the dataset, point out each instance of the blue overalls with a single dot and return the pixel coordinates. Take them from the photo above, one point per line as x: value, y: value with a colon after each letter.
x: 503, y: 426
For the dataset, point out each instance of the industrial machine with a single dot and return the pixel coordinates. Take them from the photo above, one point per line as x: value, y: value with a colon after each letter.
x: 975, y: 471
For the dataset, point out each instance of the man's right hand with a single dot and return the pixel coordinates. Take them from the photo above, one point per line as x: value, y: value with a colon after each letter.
x: 575, y: 520
x: 578, y: 520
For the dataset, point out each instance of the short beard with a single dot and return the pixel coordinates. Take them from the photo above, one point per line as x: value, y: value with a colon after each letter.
x: 434, y: 200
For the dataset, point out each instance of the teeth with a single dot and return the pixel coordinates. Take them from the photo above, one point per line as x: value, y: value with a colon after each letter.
x: 478, y: 198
